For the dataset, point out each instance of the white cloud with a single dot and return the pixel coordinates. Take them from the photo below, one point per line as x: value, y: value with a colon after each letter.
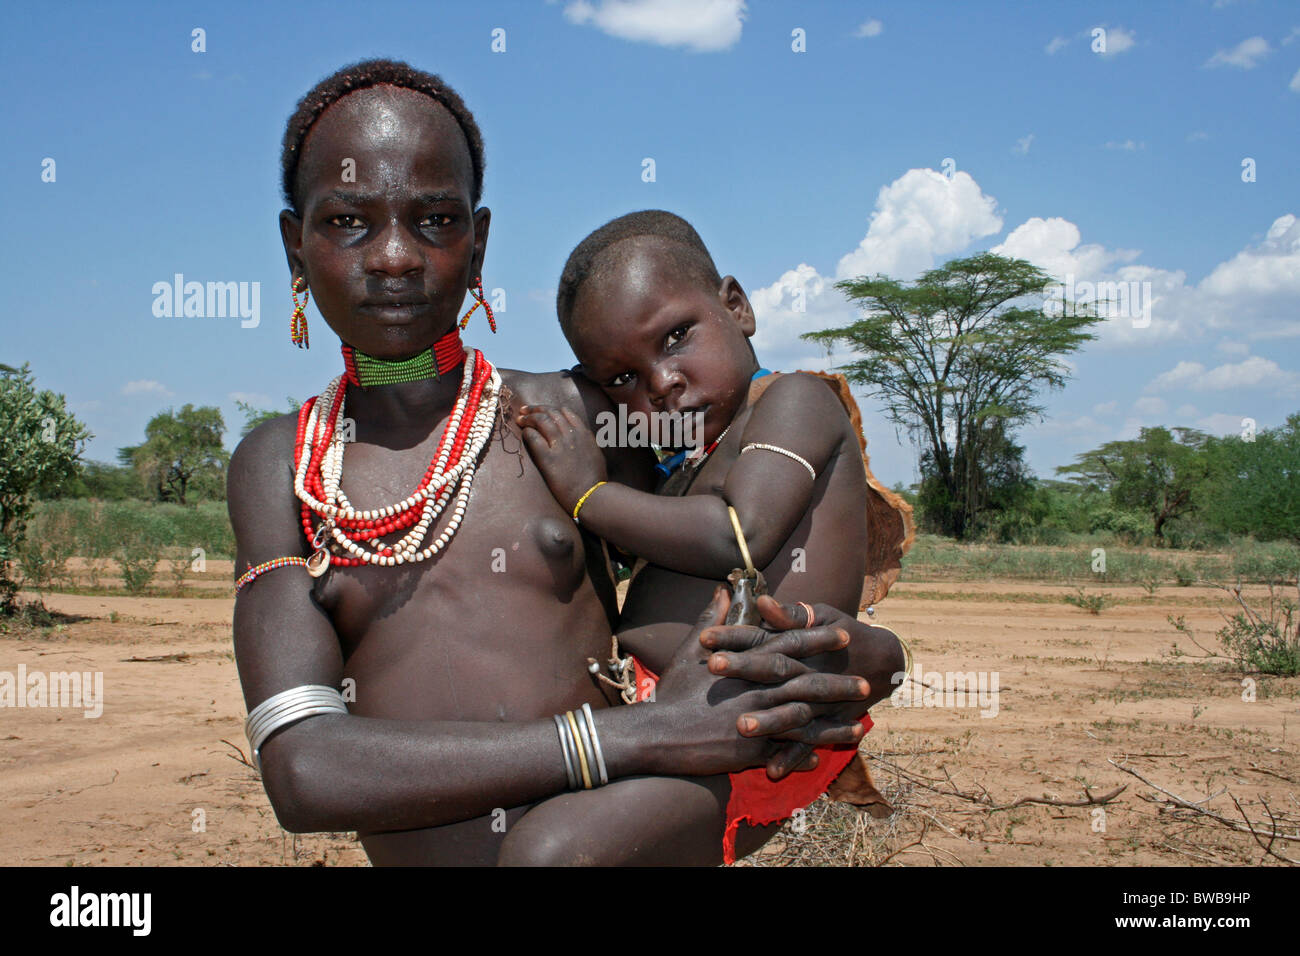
x: 145, y: 387
x: 1291, y: 37
x: 1128, y: 145
x: 1259, y: 283
x: 700, y: 25
x: 919, y: 216
x: 1220, y: 424
x: 1064, y: 425
x: 1250, y: 296
x: 1294, y: 85
x: 800, y: 301
x: 1252, y: 372
x: 1118, y: 40
x: 1246, y: 55
x: 1053, y: 246
x: 1023, y: 144
x: 1197, y: 136
x: 871, y: 28
x: 1105, y: 408
x: 1150, y: 406
x: 1186, y: 413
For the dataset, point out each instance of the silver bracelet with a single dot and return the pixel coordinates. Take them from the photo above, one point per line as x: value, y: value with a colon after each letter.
x: 781, y: 451
x: 289, y: 707
x: 595, y: 743
x: 563, y: 726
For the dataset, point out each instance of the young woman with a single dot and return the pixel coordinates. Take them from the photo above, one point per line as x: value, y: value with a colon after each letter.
x: 460, y: 615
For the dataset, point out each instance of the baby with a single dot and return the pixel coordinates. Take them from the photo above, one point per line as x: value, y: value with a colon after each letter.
x: 774, y: 491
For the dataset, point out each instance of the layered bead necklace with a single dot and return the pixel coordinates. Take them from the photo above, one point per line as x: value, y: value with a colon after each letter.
x: 318, y: 475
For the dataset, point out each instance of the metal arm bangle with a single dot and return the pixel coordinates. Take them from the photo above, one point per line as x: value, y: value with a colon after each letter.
x: 595, y: 743
x: 563, y: 728
x: 289, y: 707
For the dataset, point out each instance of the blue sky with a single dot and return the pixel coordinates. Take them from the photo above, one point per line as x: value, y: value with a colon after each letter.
x: 797, y: 168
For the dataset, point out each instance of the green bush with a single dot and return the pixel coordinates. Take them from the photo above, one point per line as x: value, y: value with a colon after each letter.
x: 1274, y: 562
x: 1268, y: 640
x: 140, y: 536
x: 1092, y: 603
x: 50, y: 541
x: 128, y: 533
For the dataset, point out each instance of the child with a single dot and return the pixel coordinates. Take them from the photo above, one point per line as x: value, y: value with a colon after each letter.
x: 776, y: 484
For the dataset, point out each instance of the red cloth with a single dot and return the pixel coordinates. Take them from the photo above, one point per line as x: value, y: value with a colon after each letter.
x: 755, y: 799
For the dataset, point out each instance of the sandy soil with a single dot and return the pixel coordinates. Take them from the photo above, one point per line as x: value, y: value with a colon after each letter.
x: 154, y: 781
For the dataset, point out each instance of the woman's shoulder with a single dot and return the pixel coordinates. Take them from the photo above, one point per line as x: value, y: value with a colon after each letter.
x: 261, y: 458
x: 268, y: 437
x: 564, y: 389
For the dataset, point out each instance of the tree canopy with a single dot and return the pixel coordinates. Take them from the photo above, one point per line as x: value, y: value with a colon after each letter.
x: 40, y: 445
x: 959, y: 359
x: 180, y: 448
x: 1253, y: 486
x: 1158, y: 472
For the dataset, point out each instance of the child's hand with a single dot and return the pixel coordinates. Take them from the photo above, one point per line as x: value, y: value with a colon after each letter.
x: 564, y: 450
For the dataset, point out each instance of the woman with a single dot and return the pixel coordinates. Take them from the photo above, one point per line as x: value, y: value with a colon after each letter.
x: 462, y: 631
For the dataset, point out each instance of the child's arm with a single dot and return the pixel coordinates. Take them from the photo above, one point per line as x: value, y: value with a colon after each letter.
x: 770, y: 491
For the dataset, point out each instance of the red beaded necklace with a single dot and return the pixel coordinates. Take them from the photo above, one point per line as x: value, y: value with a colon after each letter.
x: 317, y: 480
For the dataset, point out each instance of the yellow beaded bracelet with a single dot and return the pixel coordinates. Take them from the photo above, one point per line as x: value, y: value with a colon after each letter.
x: 583, y: 500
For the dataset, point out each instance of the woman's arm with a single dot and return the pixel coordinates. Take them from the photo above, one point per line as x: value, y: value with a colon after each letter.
x: 343, y: 772
x: 770, y: 492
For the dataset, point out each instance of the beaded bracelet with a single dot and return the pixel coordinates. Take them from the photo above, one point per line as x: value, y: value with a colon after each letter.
x: 763, y: 446
x: 583, y: 500
x: 248, y: 576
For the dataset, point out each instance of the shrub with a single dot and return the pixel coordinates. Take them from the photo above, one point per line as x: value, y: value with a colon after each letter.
x: 140, y: 536
x: 51, y: 539
x: 1268, y: 640
x: 1092, y: 603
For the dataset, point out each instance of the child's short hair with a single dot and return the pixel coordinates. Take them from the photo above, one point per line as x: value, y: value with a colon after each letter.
x: 686, y: 248
x: 359, y: 76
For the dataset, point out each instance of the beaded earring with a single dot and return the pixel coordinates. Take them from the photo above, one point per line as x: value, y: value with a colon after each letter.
x: 298, y: 323
x: 477, y: 293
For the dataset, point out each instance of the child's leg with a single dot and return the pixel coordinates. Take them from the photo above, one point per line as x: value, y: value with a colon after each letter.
x: 638, y: 821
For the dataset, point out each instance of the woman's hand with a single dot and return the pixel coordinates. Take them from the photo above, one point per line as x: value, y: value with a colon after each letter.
x: 791, y: 649
x: 564, y: 450
x: 731, y: 724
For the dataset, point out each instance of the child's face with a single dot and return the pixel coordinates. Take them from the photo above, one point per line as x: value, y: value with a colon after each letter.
x: 657, y: 341
x: 388, y: 239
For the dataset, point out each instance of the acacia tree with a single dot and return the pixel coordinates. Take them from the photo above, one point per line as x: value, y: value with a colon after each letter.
x: 178, y: 448
x: 958, y: 358
x: 1159, y: 472
x: 1253, y: 486
x: 40, y: 445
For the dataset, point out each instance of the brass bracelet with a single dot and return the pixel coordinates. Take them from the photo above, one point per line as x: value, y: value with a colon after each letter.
x: 582, y: 756
x: 583, y: 500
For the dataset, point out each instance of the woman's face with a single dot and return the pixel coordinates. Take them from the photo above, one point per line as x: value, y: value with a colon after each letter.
x: 388, y: 240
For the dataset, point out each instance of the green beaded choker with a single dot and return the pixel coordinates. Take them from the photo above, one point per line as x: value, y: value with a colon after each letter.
x: 367, y: 371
